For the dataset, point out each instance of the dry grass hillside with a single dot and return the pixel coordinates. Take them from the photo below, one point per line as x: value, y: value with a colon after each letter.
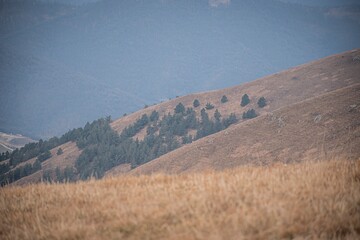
x: 280, y: 90
x: 299, y: 201
x: 317, y: 128
x: 70, y: 154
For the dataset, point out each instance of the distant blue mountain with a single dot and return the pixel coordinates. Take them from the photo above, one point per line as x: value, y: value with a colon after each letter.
x: 63, y: 65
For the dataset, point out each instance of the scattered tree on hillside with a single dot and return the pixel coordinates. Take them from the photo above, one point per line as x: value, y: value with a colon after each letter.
x: 36, y: 165
x: 59, y: 177
x: 224, y: 99
x: 218, y: 125
x: 154, y: 116
x: 190, y: 121
x: 132, y: 129
x: 66, y: 175
x: 261, y: 102
x: 249, y: 114
x: 44, y: 156
x: 217, y: 115
x: 230, y: 120
x: 151, y: 129
x: 4, y: 156
x: 187, y: 139
x: 179, y: 108
x: 205, y: 126
x: 209, y: 106
x: 245, y: 100
x: 4, y: 167
x: 46, y: 177
x: 196, y: 103
x: 59, y: 151
x: 69, y: 174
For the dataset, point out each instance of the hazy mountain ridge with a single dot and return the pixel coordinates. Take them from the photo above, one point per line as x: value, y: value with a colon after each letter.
x: 9, y: 142
x: 125, y: 55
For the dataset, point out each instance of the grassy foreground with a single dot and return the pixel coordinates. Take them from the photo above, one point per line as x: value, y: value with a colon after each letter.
x: 308, y: 200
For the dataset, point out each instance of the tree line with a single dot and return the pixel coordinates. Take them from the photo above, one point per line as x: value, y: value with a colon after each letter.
x: 103, y: 148
x: 10, y: 172
x: 162, y: 136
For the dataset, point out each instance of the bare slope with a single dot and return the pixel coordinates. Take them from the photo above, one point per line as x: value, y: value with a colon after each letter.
x: 319, y: 128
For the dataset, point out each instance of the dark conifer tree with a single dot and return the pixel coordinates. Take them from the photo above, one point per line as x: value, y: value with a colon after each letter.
x: 179, y: 108
x: 217, y: 115
x: 218, y: 125
x: 224, y: 99
x: 249, y: 114
x: 209, y: 106
x: 59, y: 176
x: 36, y: 165
x: 154, y: 116
x: 44, y: 156
x: 59, y: 151
x: 261, y: 102
x: 196, y: 103
x: 245, y: 100
x: 230, y: 120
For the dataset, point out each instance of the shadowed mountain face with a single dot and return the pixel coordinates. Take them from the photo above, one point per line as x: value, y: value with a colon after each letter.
x: 62, y: 66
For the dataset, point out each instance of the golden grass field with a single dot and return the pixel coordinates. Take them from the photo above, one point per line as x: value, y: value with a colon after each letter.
x: 319, y: 200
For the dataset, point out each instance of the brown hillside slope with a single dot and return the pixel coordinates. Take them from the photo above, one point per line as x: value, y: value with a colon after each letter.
x: 281, y: 89
x: 323, y: 127
x: 70, y: 154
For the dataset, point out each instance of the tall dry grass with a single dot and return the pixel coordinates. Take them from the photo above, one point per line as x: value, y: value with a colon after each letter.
x: 308, y: 200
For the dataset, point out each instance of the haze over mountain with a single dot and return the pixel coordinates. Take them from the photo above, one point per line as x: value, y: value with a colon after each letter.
x: 311, y: 113
x: 10, y: 142
x: 63, y: 65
